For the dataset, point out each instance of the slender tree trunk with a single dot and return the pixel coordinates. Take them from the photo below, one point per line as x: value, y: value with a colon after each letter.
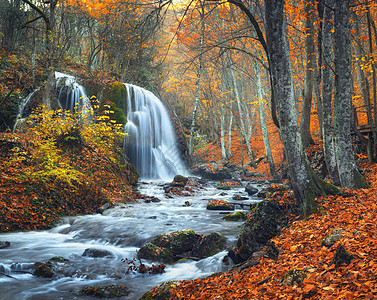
x: 309, y: 73
x: 263, y: 123
x: 327, y: 95
x: 306, y: 185
x: 222, y: 132
x: 243, y: 128
x: 348, y: 173
x: 230, y: 133
x: 198, y: 77
x: 374, y: 76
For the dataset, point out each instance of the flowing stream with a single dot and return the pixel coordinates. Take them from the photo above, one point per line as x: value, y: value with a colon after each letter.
x: 122, y: 230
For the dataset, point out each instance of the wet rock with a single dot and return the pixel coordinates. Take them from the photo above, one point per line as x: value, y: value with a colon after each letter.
x: 333, y: 237
x: 267, y: 220
x: 152, y: 252
x: 172, y: 247
x: 250, y: 189
x: 209, y: 245
x: 179, y: 181
x: 219, y: 205
x: 213, y: 171
x: 223, y: 194
x: 178, y: 242
x: 271, y: 189
x: 239, y: 198
x: 44, y: 270
x: 4, y: 245
x: 97, y: 253
x: 228, y: 184
x: 104, y: 207
x: 108, y: 291
x: 236, y: 216
x: 149, y: 199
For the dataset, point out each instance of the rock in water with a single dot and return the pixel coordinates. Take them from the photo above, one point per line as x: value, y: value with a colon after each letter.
x: 250, y: 189
x: 93, y: 252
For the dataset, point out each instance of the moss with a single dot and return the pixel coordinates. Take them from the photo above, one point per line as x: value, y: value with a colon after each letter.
x: 236, y: 216
x: 44, y: 270
x: 106, y: 291
x: 178, y: 242
x: 153, y: 252
x: 115, y: 96
x: 58, y: 259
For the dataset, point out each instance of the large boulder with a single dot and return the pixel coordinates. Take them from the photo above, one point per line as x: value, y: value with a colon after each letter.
x: 209, y: 245
x: 250, y: 189
x: 152, y: 252
x: 215, y: 204
x: 97, y: 253
x: 169, y: 248
x: 267, y: 220
x: 178, y: 242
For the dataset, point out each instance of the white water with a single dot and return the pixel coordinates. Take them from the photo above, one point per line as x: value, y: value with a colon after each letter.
x: 151, y: 144
x: 121, y: 230
x: 71, y: 95
x: 21, y: 109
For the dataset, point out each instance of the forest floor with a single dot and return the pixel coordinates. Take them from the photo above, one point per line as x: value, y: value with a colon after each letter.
x: 308, y: 267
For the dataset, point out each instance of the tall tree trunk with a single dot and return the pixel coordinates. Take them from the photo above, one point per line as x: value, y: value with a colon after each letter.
x: 230, y: 133
x: 327, y: 95
x: 348, y: 173
x: 243, y: 129
x: 309, y: 73
x: 198, y: 77
x: 222, y: 132
x: 306, y: 185
x: 263, y: 123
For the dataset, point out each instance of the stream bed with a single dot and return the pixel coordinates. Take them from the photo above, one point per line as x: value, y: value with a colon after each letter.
x: 121, y: 230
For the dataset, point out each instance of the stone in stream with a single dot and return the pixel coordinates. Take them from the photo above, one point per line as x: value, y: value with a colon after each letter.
x: 96, y: 253
x: 219, y: 205
x: 250, y: 189
x: 4, y: 245
x: 169, y: 248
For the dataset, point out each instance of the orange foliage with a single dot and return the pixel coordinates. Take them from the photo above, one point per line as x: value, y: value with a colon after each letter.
x: 301, y: 249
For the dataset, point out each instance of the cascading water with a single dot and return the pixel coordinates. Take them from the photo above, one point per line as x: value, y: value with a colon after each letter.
x: 71, y: 95
x: 21, y: 109
x: 150, y: 144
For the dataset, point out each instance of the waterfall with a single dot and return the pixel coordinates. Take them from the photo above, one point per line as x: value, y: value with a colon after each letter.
x: 21, y: 109
x: 71, y: 95
x: 150, y: 143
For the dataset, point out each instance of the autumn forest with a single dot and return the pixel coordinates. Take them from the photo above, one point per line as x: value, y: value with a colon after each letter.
x: 195, y: 149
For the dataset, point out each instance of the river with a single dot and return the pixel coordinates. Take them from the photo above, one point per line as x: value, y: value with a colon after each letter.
x: 122, y: 230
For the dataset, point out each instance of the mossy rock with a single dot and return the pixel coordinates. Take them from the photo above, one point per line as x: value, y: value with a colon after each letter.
x: 236, y: 216
x: 58, y: 259
x: 210, y: 245
x: 271, y: 189
x: 109, y: 291
x: 44, y: 270
x: 178, y: 242
x: 152, y: 252
x: 179, y: 181
x: 115, y: 96
x: 219, y: 205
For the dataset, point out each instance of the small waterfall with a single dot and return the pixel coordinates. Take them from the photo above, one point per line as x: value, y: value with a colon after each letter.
x: 21, y: 109
x: 71, y: 95
x: 151, y: 144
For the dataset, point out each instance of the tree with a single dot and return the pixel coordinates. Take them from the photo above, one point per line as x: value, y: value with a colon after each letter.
x: 306, y: 185
x: 327, y: 92
x: 349, y: 175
